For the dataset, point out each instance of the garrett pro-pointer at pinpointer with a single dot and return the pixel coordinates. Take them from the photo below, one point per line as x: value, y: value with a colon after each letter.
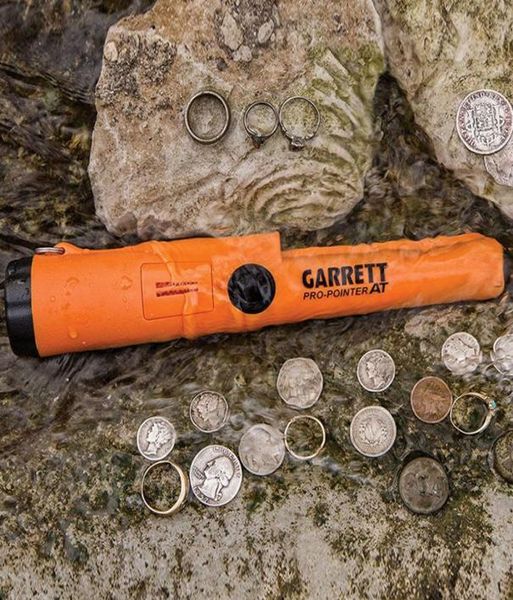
x: 156, y: 291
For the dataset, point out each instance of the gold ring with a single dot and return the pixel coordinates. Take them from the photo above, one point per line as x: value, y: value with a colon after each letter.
x: 184, y: 488
x: 321, y: 445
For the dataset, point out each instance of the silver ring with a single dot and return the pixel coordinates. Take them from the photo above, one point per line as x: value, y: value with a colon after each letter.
x: 257, y: 137
x: 319, y: 448
x: 491, y: 405
x: 184, y: 488
x: 49, y: 250
x: 218, y: 136
x: 297, y: 142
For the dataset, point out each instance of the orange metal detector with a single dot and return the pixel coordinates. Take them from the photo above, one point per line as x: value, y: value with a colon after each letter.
x: 72, y: 300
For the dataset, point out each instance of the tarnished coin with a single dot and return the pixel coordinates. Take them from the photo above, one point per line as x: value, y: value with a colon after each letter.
x: 215, y: 475
x: 502, y: 354
x: 156, y: 438
x: 500, y: 164
x: 299, y: 382
x: 484, y: 121
x: 209, y: 411
x: 503, y: 455
x: 375, y: 370
x: 262, y: 449
x: 431, y: 399
x: 373, y: 431
x: 461, y: 353
x: 423, y: 485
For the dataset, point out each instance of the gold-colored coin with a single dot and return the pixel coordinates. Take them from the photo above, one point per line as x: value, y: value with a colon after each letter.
x: 431, y: 399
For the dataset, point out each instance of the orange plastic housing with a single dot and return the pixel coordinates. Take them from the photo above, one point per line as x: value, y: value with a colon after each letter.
x: 157, y: 291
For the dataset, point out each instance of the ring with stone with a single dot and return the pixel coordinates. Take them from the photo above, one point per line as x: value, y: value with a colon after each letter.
x: 297, y: 142
x: 491, y: 407
x: 319, y: 447
x: 184, y: 488
x: 259, y: 137
x: 227, y: 117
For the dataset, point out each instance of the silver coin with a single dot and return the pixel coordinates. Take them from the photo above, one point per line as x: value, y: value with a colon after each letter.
x: 375, y: 370
x: 500, y: 164
x: 484, y: 121
x: 502, y: 354
x: 461, y: 353
x: 262, y: 449
x: 299, y: 382
x: 156, y: 438
x: 373, y: 431
x: 208, y: 411
x: 423, y: 485
x: 215, y: 475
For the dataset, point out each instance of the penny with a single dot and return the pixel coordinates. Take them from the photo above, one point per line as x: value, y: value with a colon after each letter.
x: 299, y: 382
x: 461, y: 353
x: 156, y: 438
x: 502, y: 354
x: 373, y: 431
x: 431, y: 399
x: 423, y: 485
x: 262, y: 449
x: 484, y: 121
x: 208, y: 411
x: 375, y: 370
x: 215, y: 475
x: 503, y: 455
x: 500, y: 164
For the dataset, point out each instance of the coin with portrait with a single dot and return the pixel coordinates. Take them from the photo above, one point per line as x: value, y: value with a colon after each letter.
x: 299, y: 382
x: 461, y: 353
x: 209, y: 411
x: 375, y: 370
x: 215, y: 475
x: 262, y: 449
x: 156, y: 438
x: 373, y: 431
x: 423, y: 485
x: 431, y: 399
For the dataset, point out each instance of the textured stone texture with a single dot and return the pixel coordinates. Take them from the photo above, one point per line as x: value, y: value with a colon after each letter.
x: 150, y: 177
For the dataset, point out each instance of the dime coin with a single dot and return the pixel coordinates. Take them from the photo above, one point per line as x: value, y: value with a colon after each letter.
x: 423, y: 485
x: 299, y: 382
x: 155, y: 438
x: 503, y: 455
x: 373, y: 431
x: 431, y: 399
x: 262, y: 449
x: 484, y: 121
x: 461, y: 353
x: 215, y: 475
x: 376, y: 370
x: 208, y: 411
x: 500, y: 164
x: 502, y: 354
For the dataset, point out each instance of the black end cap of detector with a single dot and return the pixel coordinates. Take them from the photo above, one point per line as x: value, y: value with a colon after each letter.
x: 251, y: 288
x: 18, y: 307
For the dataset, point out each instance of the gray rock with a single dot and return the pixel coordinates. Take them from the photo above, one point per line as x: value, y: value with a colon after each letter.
x: 149, y: 177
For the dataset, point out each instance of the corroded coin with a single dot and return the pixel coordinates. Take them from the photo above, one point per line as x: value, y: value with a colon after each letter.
x: 299, y: 382
x: 375, y: 370
x: 500, y: 164
x: 215, y: 475
x: 502, y: 354
x: 423, y: 485
x: 208, y: 411
x: 484, y: 121
x: 373, y: 431
x: 461, y: 353
x: 156, y: 438
x: 431, y: 399
x: 262, y: 449
x: 503, y: 456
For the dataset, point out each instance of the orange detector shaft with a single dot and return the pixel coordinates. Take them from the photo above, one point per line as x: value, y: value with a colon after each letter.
x: 157, y: 291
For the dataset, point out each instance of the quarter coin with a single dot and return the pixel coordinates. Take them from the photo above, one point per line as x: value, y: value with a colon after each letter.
x: 375, y: 370
x: 503, y: 455
x: 423, y: 485
x: 299, y: 382
x: 208, y: 411
x: 484, y: 121
x: 502, y: 354
x: 156, y: 438
x: 500, y: 164
x: 373, y: 431
x: 431, y: 399
x: 262, y: 449
x: 461, y: 353
x: 215, y: 475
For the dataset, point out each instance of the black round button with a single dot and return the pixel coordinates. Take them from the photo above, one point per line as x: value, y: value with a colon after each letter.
x: 251, y: 288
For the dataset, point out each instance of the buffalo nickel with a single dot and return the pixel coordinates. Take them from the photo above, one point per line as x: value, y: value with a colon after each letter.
x: 373, y: 431
x: 375, y: 370
x: 423, y: 485
x: 484, y: 121
x: 156, y: 438
x: 461, y: 353
x: 500, y: 164
x: 209, y: 411
x: 299, y: 382
x: 431, y: 399
x: 215, y: 475
x: 502, y: 354
x: 262, y: 449
x: 503, y: 456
